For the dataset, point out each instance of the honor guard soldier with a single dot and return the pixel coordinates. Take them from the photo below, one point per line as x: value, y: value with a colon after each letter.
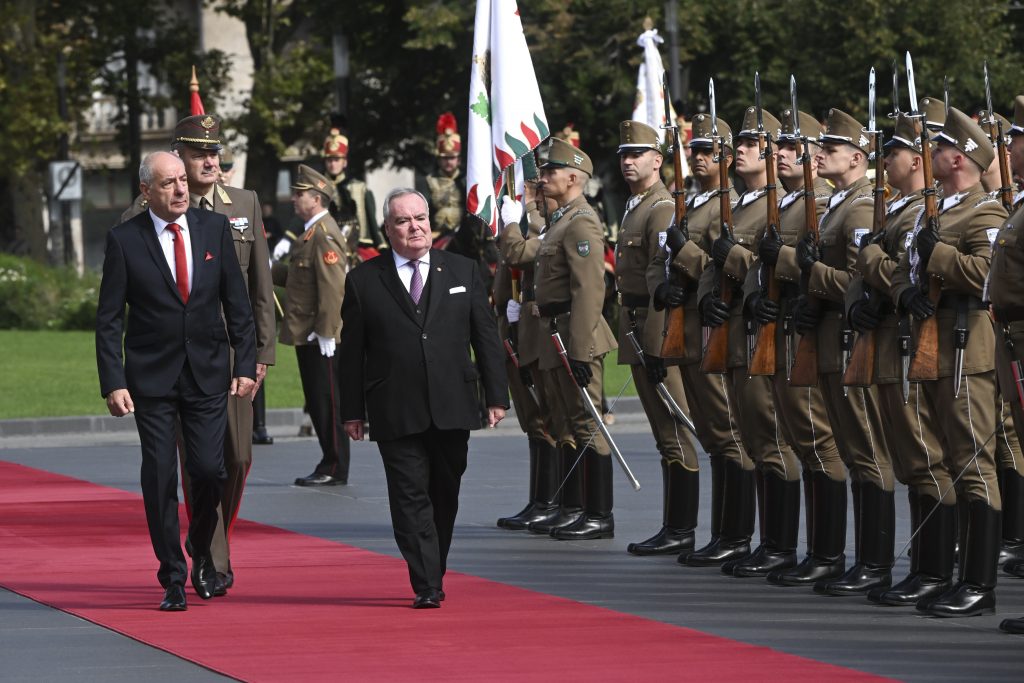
x: 1009, y: 458
x: 908, y: 419
x: 956, y: 257
x: 772, y: 468
x: 1006, y: 292
x: 649, y: 212
x: 355, y: 211
x: 314, y: 281
x: 800, y: 410
x: 672, y: 281
x: 197, y: 140
x: 445, y: 189
x: 569, y: 287
x: 519, y: 329
x: 853, y: 412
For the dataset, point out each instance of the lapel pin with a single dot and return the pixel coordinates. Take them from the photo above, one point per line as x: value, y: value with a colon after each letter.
x: 209, y: 256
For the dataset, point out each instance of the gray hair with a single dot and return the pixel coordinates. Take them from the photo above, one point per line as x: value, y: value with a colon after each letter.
x: 400, y: 192
x: 146, y: 167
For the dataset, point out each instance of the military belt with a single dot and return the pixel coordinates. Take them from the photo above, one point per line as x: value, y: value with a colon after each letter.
x: 1008, y: 314
x: 551, y: 310
x: 954, y: 301
x: 634, y: 300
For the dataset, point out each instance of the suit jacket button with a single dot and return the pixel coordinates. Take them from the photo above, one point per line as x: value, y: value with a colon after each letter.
x: 424, y: 335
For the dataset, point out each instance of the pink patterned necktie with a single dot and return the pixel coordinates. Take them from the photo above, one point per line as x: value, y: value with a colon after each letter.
x: 416, y: 284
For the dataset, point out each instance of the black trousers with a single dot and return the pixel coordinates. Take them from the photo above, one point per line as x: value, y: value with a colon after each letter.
x: 424, y: 473
x: 319, y: 376
x: 203, y: 420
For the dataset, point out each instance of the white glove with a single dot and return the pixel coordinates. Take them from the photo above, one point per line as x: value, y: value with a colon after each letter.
x: 326, y: 343
x: 512, y: 312
x: 280, y: 249
x: 511, y: 211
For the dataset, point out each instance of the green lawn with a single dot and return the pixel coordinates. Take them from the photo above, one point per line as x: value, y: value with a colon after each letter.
x: 53, y: 374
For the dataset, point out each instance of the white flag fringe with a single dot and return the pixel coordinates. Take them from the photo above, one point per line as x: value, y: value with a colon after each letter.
x: 650, y: 96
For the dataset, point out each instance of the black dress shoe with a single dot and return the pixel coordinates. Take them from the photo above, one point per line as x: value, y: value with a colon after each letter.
x: 667, y: 541
x: 261, y: 438
x: 229, y: 579
x: 204, y: 577
x: 174, y: 599
x: 220, y: 586
x: 963, y: 600
x: 428, y: 599
x: 761, y: 566
x: 858, y: 580
x: 317, y: 479
x: 725, y: 551
x: 810, y: 570
x: 911, y: 591
x: 1012, y: 625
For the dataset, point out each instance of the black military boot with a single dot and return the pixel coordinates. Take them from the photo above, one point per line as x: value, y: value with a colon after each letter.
x: 1011, y: 490
x: 759, y: 552
x: 737, y: 519
x: 259, y: 418
x: 570, y: 500
x: 913, y: 500
x: 717, y: 483
x: 975, y: 593
x: 782, y: 527
x: 873, y: 568
x: 545, y: 487
x: 931, y: 566
x: 827, y: 558
x: 597, y: 520
x: 516, y: 520
x: 681, y: 490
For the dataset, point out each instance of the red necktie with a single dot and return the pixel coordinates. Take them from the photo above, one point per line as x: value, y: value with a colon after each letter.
x: 180, y: 263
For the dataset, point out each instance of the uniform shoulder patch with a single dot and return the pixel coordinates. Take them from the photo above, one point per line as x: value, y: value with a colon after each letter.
x: 662, y: 201
x: 583, y: 247
x: 331, y: 257
x: 583, y: 212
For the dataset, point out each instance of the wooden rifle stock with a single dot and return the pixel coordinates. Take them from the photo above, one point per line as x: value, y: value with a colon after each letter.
x: 673, y: 343
x: 762, y: 361
x: 805, y: 365
x: 717, y: 350
x: 924, y: 366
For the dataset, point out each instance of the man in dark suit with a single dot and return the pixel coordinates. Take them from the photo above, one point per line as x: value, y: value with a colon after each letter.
x: 175, y: 269
x: 409, y: 319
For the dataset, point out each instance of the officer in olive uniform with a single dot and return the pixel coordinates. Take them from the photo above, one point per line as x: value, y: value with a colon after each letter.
x: 518, y: 327
x: 1006, y: 292
x: 800, y: 410
x: 956, y: 256
x: 569, y: 288
x: 649, y: 211
x: 853, y: 412
x: 908, y: 423
x: 445, y: 189
x: 197, y: 140
x: 314, y: 281
x: 687, y: 253
x: 354, y: 209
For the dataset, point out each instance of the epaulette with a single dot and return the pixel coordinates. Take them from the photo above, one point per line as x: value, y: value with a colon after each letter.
x: 987, y: 200
x: 663, y: 201
x: 583, y: 212
x: 223, y: 194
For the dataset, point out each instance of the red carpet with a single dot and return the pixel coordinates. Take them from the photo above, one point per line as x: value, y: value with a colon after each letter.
x: 310, y: 609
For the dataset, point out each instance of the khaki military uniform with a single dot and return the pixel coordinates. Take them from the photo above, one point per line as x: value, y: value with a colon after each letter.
x: 647, y: 217
x: 569, y: 290
x: 242, y: 207
x: 854, y: 415
x: 752, y: 396
x: 800, y: 411
x: 968, y: 223
x: 713, y: 414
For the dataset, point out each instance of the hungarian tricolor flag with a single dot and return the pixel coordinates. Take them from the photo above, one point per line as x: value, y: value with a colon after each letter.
x: 506, y: 114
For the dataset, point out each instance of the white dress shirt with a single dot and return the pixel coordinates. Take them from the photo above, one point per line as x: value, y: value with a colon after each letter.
x: 166, y: 239
x: 312, y: 221
x: 405, y: 272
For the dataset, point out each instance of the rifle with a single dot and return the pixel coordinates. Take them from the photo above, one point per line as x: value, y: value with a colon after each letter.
x: 804, y: 372
x: 924, y: 366
x: 673, y: 343
x: 663, y: 392
x: 762, y: 361
x: 995, y: 131
x: 860, y: 372
x: 716, y: 350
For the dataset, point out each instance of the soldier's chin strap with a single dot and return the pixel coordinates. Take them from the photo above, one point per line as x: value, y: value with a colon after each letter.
x: 590, y: 440
x: 952, y: 485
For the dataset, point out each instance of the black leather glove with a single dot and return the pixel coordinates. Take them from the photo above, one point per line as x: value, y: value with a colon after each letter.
x: 768, y: 250
x: 581, y: 372
x: 525, y: 377
x: 916, y: 302
x: 667, y: 295
x: 863, y: 316
x: 805, y: 315
x: 871, y: 238
x: 720, y: 249
x: 926, y: 241
x: 656, y: 371
x: 807, y: 253
x: 713, y: 310
x: 762, y: 309
x: 675, y: 239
